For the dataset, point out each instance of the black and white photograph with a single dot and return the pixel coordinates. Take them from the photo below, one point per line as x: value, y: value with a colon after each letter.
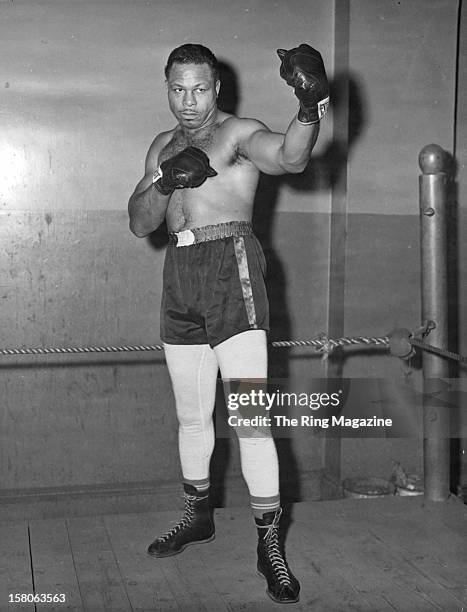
x: 233, y: 305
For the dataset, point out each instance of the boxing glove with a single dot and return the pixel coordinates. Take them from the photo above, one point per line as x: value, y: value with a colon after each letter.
x: 187, y: 169
x: 303, y: 69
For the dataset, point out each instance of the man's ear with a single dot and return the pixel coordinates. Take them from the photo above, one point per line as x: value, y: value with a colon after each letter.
x: 218, y: 86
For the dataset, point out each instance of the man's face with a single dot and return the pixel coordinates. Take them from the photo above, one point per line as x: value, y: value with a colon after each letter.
x: 192, y: 94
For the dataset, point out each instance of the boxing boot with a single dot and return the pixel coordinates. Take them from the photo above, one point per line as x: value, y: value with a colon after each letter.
x: 283, y: 587
x: 195, y: 527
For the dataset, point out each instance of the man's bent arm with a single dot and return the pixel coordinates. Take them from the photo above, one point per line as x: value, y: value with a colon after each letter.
x: 274, y: 153
x: 147, y: 206
x: 147, y: 210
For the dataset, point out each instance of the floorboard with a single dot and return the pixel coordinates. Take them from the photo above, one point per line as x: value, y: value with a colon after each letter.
x: 357, y: 555
x: 100, y: 581
x: 189, y: 580
x: 146, y: 585
x: 54, y: 570
x: 15, y: 565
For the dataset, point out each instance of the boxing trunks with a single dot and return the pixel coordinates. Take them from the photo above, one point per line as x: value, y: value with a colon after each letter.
x: 213, y: 284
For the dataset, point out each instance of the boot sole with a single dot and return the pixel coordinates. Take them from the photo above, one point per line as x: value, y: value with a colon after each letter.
x: 271, y: 596
x: 180, y: 550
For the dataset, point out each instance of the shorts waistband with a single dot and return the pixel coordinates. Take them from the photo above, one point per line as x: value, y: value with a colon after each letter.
x: 210, y: 232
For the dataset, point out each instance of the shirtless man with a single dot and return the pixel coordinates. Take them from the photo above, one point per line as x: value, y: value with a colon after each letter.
x: 201, y: 177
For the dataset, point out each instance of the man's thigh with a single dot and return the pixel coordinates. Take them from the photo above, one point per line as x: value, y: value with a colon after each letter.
x: 244, y: 355
x: 193, y: 370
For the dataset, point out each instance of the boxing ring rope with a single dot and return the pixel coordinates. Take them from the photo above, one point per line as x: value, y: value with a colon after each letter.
x: 400, y: 342
x: 324, y: 344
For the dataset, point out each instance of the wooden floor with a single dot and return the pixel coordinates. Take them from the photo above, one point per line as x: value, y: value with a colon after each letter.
x: 351, y: 554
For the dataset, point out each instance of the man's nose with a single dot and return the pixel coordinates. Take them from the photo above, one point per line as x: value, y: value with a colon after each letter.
x: 189, y: 99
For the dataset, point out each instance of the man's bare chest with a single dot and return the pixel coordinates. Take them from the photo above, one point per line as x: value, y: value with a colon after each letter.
x: 208, y: 140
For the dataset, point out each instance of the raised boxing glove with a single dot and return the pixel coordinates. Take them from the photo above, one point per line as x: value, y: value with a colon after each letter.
x: 189, y: 168
x: 303, y: 69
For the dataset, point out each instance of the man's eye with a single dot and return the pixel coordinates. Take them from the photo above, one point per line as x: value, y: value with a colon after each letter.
x: 201, y: 89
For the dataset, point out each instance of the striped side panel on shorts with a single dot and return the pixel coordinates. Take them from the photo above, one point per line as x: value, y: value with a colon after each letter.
x: 245, y: 281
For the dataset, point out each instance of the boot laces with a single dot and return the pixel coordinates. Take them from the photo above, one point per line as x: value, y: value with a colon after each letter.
x: 271, y: 538
x: 185, y: 521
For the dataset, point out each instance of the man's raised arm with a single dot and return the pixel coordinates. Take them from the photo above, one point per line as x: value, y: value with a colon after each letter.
x: 303, y: 69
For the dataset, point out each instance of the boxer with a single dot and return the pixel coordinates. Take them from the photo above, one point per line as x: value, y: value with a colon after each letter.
x: 201, y: 177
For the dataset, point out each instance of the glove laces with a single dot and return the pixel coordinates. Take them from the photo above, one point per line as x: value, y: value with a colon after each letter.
x: 271, y: 537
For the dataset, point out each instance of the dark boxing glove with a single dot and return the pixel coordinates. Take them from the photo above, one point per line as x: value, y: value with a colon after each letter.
x: 303, y: 69
x: 189, y: 168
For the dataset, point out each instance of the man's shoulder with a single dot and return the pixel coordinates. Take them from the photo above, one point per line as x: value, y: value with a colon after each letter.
x: 163, y: 138
x: 243, y: 125
x: 160, y: 141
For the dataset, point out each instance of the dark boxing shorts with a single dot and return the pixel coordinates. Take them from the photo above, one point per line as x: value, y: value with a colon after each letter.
x: 213, y: 285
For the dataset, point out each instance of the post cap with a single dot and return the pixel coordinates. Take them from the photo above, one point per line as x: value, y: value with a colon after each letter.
x: 432, y: 159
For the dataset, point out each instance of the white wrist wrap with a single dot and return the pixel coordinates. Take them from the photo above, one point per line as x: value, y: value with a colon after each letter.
x: 157, y: 175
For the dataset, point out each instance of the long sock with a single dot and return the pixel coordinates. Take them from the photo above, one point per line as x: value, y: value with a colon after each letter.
x: 244, y: 356
x: 193, y: 371
x: 260, y: 505
x: 200, y: 485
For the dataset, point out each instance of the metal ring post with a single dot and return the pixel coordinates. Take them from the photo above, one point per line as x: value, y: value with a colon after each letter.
x: 436, y: 442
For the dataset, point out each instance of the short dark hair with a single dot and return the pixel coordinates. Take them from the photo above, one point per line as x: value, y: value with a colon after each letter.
x: 193, y: 54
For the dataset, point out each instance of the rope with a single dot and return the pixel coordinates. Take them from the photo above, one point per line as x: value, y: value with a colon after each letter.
x: 324, y: 344
x: 439, y: 351
x: 328, y: 344
x: 76, y: 350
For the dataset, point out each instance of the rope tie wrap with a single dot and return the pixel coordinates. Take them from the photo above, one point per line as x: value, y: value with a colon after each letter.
x: 325, y: 345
